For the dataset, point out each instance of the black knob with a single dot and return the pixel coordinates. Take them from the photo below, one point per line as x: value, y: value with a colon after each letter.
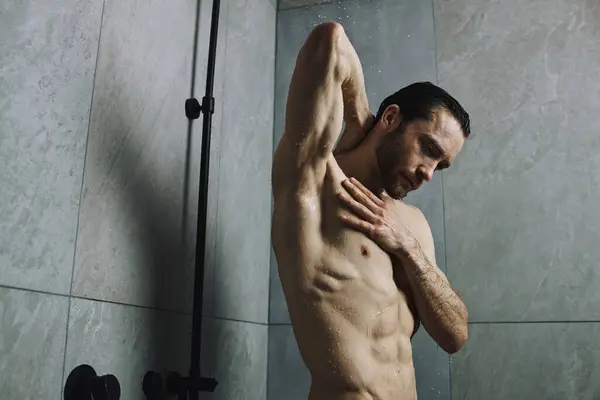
x: 84, y: 384
x: 175, y: 384
x: 152, y: 385
x: 192, y: 108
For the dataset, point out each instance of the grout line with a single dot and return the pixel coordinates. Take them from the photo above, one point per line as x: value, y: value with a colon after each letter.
x: 280, y: 324
x: 215, y: 318
x: 81, y: 197
x: 33, y: 290
x: 96, y: 300
x: 118, y: 303
x: 507, y: 322
x: 578, y: 321
x: 269, y: 291
x: 437, y: 81
x: 324, y: 3
x: 272, y: 154
x: 320, y: 4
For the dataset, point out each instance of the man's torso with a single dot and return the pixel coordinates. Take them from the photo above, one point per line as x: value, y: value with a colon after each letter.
x: 350, y: 307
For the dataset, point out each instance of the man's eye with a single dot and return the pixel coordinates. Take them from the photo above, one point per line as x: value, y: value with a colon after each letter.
x: 431, y: 151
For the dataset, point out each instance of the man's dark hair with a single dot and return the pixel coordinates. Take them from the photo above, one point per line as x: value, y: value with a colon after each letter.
x: 421, y: 99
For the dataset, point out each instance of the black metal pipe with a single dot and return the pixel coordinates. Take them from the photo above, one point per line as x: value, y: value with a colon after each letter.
x: 189, y: 387
x: 208, y: 105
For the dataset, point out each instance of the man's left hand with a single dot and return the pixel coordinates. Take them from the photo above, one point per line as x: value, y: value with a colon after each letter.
x: 376, y: 217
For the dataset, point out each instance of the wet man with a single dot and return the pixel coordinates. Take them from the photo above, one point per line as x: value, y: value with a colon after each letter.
x: 357, y: 264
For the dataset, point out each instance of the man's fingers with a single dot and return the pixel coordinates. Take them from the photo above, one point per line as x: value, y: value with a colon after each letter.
x: 360, y: 196
x: 367, y: 192
x: 354, y: 222
x: 358, y: 208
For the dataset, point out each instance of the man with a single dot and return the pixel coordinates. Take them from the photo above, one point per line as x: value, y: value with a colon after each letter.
x: 356, y: 263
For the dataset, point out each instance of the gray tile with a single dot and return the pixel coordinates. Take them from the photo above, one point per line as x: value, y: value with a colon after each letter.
x: 528, y: 361
x: 241, y: 252
x: 520, y: 241
x: 288, y: 376
x: 374, y: 28
x: 127, y: 342
x: 129, y: 239
x: 235, y: 354
x: 32, y: 344
x: 48, y: 54
x: 432, y: 368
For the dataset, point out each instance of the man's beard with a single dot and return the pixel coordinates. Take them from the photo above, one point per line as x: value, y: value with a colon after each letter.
x: 387, y: 162
x: 389, y: 174
x: 395, y: 190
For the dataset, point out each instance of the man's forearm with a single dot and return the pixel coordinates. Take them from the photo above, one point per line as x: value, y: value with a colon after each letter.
x: 356, y: 104
x: 443, y: 313
x: 357, y: 114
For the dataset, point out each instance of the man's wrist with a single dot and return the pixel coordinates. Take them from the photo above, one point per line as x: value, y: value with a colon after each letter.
x: 411, y: 254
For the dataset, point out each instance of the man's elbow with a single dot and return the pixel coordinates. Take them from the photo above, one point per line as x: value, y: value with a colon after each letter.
x: 328, y: 32
x: 324, y: 46
x: 456, y: 341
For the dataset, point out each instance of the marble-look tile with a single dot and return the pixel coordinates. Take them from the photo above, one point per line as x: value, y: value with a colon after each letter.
x: 432, y: 368
x: 129, y: 239
x: 48, y: 54
x: 545, y: 361
x: 374, y: 28
x: 127, y: 342
x: 288, y: 376
x: 520, y: 241
x: 235, y: 354
x: 32, y: 344
x: 242, y: 234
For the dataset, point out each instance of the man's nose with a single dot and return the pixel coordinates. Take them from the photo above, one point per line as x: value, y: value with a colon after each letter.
x: 426, y: 172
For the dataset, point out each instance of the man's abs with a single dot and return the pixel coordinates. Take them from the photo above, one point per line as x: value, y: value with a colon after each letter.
x: 348, y: 306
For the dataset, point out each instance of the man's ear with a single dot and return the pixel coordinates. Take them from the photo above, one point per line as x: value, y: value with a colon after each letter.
x: 391, y: 117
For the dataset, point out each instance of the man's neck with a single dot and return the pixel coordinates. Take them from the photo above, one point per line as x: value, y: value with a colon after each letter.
x: 361, y: 164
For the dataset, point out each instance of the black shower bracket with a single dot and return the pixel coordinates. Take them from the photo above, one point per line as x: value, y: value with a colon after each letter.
x: 193, y: 108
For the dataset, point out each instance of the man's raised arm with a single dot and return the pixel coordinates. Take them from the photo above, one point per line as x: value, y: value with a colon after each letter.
x: 327, y: 88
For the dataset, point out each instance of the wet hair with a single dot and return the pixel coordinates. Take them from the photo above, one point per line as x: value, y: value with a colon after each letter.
x: 421, y: 99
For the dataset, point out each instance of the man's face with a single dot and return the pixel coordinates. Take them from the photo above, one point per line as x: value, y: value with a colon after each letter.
x: 410, y: 154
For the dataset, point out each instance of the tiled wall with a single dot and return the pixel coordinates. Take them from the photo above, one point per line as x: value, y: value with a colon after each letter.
x: 521, y: 202
x: 90, y: 206
x: 374, y: 27
x: 92, y: 192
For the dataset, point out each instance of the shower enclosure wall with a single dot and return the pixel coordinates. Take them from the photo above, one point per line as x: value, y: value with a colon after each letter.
x: 92, y: 152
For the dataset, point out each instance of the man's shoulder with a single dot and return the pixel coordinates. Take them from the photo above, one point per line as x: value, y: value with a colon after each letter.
x: 410, y: 211
x: 411, y: 215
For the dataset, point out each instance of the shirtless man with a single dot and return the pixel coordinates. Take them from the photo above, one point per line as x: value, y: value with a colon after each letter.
x: 356, y: 263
